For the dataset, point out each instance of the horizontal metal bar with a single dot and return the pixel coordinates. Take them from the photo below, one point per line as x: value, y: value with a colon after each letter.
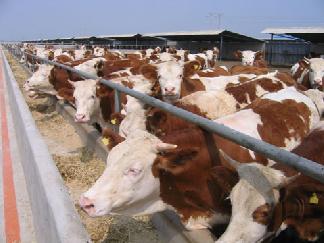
x: 307, y: 167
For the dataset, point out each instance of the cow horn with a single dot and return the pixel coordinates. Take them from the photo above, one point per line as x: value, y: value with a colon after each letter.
x: 288, y: 181
x: 161, y: 147
x: 231, y: 161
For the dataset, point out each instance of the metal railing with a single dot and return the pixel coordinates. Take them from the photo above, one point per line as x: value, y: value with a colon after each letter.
x: 303, y: 165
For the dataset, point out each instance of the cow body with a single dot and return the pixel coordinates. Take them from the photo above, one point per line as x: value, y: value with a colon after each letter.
x: 179, y: 154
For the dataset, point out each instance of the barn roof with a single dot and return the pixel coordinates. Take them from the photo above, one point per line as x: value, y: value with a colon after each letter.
x: 312, y: 34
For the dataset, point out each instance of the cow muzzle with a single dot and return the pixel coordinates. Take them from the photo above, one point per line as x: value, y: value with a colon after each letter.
x: 80, y: 118
x: 87, y: 205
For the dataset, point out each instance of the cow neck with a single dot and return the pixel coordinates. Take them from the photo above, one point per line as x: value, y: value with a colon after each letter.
x: 212, y: 148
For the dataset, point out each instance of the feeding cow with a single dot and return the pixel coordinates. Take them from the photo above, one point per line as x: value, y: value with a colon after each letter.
x: 264, y: 206
x: 128, y: 187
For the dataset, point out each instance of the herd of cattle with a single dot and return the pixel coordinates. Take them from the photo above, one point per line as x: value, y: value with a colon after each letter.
x: 158, y: 161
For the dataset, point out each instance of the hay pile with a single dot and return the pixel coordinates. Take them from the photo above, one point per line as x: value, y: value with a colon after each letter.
x: 80, y: 169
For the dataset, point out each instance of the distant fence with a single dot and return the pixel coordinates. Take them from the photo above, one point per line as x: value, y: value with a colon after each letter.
x: 305, y: 166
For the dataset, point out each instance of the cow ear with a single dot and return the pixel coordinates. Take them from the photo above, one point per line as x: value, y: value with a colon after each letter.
x: 258, y: 55
x: 110, y: 138
x: 190, y: 68
x: 66, y: 94
x: 238, y: 54
x: 149, y: 72
x: 172, y: 160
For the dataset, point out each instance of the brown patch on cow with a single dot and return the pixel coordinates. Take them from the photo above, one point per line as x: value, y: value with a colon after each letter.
x: 291, y: 120
x: 149, y: 72
x: 198, y: 197
x: 240, y: 69
x: 238, y: 54
x: 260, y: 63
x: 308, y: 229
x: 263, y: 214
x: 190, y: 68
x: 63, y: 59
x: 216, y: 72
x: 113, y: 138
x: 190, y: 85
x: 67, y: 94
x: 160, y: 122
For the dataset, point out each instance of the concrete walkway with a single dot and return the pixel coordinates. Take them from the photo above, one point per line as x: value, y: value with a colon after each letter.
x: 16, y: 223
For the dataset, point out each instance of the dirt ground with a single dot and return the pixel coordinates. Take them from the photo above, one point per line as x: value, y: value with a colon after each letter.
x: 80, y: 169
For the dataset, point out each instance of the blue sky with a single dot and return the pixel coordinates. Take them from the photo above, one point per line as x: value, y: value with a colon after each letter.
x: 34, y: 19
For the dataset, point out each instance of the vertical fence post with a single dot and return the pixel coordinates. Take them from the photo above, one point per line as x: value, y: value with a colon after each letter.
x: 117, y: 108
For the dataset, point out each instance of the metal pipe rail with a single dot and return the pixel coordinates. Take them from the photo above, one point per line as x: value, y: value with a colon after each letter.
x: 303, y: 165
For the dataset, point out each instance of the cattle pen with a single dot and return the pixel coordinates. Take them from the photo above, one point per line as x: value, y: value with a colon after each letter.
x: 303, y: 165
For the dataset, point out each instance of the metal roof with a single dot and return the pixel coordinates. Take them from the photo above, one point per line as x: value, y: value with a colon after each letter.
x: 312, y: 34
x: 201, y: 35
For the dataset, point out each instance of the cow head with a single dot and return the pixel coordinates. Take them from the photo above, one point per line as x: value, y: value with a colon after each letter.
x: 99, y: 52
x: 253, y: 200
x: 248, y: 57
x: 170, y: 75
x: 127, y: 185
x: 316, y: 72
x: 40, y: 79
x: 86, y: 100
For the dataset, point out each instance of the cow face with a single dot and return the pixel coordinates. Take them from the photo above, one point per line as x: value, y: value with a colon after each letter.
x: 127, y: 185
x: 39, y: 79
x: 248, y: 57
x: 170, y: 78
x: 99, y: 52
x: 316, y: 72
x: 86, y: 101
x: 253, y: 199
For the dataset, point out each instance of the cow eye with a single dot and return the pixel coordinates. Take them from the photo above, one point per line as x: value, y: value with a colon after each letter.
x: 92, y: 96
x: 132, y: 172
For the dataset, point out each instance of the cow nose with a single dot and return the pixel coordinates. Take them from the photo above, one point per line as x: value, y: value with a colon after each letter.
x: 79, y: 117
x: 318, y: 81
x: 169, y: 90
x: 86, y: 204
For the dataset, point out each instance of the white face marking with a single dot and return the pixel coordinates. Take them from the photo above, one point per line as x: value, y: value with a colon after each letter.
x: 245, y: 200
x: 248, y: 58
x: 88, y: 66
x: 99, y: 52
x: 127, y: 185
x: 316, y: 72
x: 39, y: 80
x: 170, y: 79
x: 86, y: 101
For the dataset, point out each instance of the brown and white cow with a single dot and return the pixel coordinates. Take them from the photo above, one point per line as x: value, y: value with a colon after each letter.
x: 251, y: 58
x: 215, y: 104
x: 309, y: 72
x: 128, y: 186
x: 260, y: 211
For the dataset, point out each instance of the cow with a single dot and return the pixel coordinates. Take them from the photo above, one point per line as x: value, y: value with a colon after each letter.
x: 309, y: 72
x: 215, y: 104
x: 251, y: 58
x: 38, y: 83
x: 212, y: 56
x: 177, y: 79
x: 129, y: 164
x: 95, y: 104
x: 278, y: 204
